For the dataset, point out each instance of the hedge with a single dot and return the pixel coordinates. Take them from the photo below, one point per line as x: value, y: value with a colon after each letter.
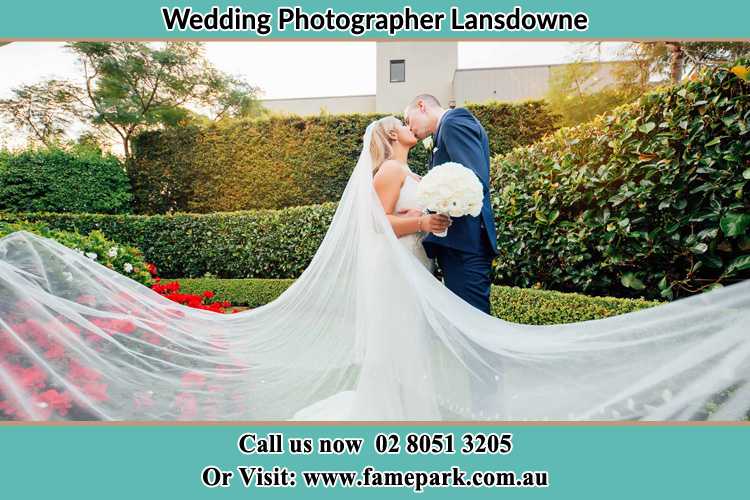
x: 247, y: 244
x: 59, y: 180
x: 652, y: 199
x: 536, y: 307
x: 284, y: 161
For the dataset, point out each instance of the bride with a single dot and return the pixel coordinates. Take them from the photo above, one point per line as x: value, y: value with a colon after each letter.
x: 366, y: 333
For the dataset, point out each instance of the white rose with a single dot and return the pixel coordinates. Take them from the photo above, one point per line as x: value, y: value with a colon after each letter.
x: 427, y: 143
x: 128, y: 267
x: 91, y: 255
x: 112, y: 253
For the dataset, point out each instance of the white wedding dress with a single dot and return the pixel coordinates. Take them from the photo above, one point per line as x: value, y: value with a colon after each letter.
x: 346, y: 405
x: 365, y: 333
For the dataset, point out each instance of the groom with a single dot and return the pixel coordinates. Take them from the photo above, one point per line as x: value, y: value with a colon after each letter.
x: 465, y: 255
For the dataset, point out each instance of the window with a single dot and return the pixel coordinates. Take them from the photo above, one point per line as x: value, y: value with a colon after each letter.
x: 398, y: 70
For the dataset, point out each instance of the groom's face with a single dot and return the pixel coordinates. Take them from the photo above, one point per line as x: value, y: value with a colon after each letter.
x: 418, y: 121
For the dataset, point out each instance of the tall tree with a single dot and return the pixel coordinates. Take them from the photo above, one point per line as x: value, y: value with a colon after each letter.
x: 129, y: 86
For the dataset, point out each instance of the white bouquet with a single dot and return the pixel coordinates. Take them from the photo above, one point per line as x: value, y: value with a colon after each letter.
x: 450, y: 189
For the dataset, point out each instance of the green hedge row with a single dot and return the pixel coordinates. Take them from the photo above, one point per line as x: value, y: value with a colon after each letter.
x: 62, y: 180
x: 284, y: 161
x: 536, y: 307
x: 249, y: 244
x: 652, y: 199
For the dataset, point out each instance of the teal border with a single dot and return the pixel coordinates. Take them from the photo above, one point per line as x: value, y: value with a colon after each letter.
x: 163, y: 462
x: 142, y: 19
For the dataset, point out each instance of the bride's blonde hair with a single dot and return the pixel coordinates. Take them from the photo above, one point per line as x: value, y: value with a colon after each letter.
x: 381, y: 147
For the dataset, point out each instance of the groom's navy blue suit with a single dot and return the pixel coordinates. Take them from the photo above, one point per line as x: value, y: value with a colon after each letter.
x: 465, y: 254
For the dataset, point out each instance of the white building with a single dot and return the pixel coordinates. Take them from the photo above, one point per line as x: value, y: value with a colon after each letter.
x: 405, y: 69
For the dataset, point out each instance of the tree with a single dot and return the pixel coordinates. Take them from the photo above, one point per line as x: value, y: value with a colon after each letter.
x: 130, y: 86
x: 575, y: 92
x: 676, y: 58
x: 44, y: 110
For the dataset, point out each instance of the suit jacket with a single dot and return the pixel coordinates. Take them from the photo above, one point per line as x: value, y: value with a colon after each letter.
x: 461, y: 138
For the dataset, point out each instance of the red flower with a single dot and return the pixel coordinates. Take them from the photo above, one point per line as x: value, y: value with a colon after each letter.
x: 60, y: 402
x: 88, y: 300
x: 193, y: 379
x: 96, y: 391
x: 151, y: 269
x: 123, y: 326
x: 80, y: 374
x: 55, y: 352
x: 152, y: 338
x: 208, y: 294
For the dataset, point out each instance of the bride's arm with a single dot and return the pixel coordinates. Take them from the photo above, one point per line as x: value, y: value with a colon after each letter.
x: 387, y: 181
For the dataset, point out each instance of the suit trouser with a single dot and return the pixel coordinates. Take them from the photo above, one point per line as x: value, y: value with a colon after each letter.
x: 468, y: 275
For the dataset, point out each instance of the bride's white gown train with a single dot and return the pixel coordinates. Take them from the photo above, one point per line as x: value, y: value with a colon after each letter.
x: 368, y: 402
x: 366, y: 333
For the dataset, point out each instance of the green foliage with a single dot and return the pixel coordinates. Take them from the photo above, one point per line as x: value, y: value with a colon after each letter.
x: 650, y: 200
x: 58, y: 180
x: 283, y: 161
x: 535, y: 307
x: 250, y: 244
x: 108, y: 253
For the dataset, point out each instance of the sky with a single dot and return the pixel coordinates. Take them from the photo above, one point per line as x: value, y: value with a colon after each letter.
x: 329, y: 68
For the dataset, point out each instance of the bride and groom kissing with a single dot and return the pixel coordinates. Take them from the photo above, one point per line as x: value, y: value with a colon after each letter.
x: 465, y: 254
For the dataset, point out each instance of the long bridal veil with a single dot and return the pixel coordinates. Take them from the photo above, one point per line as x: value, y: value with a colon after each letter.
x: 365, y: 320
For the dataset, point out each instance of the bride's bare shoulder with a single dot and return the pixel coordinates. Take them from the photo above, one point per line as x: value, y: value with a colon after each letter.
x: 390, y: 172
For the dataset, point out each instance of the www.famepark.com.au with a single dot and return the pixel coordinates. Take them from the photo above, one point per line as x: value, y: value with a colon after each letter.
x: 370, y: 477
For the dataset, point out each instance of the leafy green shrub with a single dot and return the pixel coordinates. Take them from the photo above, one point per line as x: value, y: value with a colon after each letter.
x: 126, y: 260
x: 652, y: 199
x: 536, y: 307
x: 59, y: 180
x: 250, y: 244
x: 283, y: 161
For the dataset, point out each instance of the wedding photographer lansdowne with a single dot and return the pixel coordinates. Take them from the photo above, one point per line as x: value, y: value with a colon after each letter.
x: 360, y: 23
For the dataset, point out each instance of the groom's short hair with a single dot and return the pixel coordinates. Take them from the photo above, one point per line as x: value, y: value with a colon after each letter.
x: 430, y: 99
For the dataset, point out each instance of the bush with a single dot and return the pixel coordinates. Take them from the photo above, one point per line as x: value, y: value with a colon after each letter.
x: 58, y: 180
x: 94, y: 245
x: 250, y: 244
x: 536, y: 307
x: 283, y: 161
x: 651, y: 199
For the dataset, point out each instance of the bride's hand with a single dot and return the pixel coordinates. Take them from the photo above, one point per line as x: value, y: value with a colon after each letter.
x: 409, y: 212
x: 435, y: 223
